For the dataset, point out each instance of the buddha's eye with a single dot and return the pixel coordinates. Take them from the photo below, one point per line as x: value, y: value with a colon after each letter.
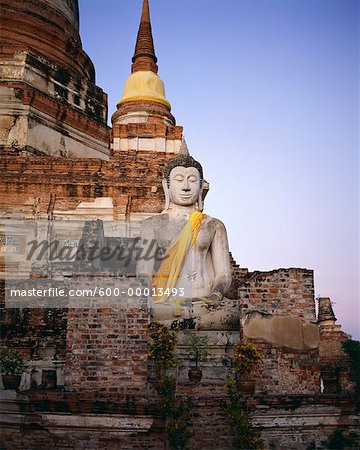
x: 179, y: 178
x: 193, y: 179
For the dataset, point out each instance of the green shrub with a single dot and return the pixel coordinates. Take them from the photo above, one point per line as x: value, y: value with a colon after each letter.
x: 162, y: 348
x: 246, y: 357
x: 246, y: 436
x: 175, y: 410
x: 352, y: 349
x: 340, y: 439
x: 11, y: 362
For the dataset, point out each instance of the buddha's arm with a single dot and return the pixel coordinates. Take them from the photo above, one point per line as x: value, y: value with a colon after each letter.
x: 221, y: 261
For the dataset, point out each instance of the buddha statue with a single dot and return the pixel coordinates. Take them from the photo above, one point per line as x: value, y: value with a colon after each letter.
x: 189, y: 283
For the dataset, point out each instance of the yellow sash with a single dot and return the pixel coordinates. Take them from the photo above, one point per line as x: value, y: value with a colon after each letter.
x: 170, y: 268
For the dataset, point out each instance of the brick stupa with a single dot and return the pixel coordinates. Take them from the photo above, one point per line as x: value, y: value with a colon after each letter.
x: 88, y: 384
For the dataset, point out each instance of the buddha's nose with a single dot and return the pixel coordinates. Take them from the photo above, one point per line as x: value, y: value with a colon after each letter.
x: 186, y: 186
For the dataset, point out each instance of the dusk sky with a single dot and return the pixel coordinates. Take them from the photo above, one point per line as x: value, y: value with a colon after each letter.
x: 268, y: 94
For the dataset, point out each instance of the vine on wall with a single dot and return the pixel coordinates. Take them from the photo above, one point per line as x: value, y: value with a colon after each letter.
x: 175, y: 410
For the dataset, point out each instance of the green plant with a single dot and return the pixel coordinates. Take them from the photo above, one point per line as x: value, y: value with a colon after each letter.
x: 167, y: 394
x: 11, y: 362
x: 340, y: 439
x: 162, y: 348
x: 246, y: 436
x: 176, y: 411
x: 246, y: 357
x: 179, y: 423
x: 352, y: 349
x: 197, y: 348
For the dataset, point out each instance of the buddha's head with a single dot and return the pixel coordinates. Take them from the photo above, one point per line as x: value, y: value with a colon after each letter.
x: 183, y: 182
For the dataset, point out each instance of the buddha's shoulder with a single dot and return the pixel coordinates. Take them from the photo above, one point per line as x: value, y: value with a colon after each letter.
x: 214, y: 222
x: 155, y: 220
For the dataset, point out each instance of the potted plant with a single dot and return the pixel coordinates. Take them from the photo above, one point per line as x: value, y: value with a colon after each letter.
x: 246, y: 357
x: 11, y: 367
x: 197, y: 350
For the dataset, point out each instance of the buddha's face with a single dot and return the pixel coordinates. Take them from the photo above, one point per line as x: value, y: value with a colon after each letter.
x: 185, y: 184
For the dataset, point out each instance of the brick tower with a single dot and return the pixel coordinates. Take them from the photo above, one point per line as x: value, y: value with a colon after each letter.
x: 50, y: 103
x: 143, y: 120
x: 55, y: 142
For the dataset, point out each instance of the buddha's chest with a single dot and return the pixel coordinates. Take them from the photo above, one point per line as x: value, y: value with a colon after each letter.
x: 169, y: 232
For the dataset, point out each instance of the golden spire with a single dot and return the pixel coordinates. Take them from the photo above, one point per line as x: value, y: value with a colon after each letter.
x: 144, y: 84
x: 144, y: 56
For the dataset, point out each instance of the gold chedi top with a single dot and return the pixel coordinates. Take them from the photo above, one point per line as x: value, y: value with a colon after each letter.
x: 144, y: 85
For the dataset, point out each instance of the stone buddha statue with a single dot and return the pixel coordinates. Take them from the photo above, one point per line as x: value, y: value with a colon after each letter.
x: 189, y: 283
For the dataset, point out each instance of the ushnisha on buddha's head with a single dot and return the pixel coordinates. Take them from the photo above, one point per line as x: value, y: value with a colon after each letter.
x: 183, y: 183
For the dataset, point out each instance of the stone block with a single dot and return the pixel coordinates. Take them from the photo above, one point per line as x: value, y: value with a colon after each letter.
x: 284, y: 331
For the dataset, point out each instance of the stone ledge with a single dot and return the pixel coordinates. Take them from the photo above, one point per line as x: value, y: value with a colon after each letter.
x: 313, y: 417
x: 94, y: 422
x: 16, y: 411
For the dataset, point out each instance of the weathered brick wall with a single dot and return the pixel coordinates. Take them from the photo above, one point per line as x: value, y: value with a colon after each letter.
x: 107, y: 344
x: 284, y: 292
x: 335, y: 365
x: 291, y: 421
x: 47, y: 31
x: 35, y: 186
x: 39, y: 334
x: 331, y: 341
x: 210, y: 425
x: 281, y: 291
x: 154, y: 126
x: 281, y: 370
x: 30, y: 330
x: 284, y: 371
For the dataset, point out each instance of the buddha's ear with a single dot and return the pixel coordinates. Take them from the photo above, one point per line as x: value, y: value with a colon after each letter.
x: 200, y: 198
x: 166, y: 192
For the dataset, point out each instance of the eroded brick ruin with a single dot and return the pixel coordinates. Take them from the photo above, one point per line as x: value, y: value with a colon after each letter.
x: 87, y: 383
